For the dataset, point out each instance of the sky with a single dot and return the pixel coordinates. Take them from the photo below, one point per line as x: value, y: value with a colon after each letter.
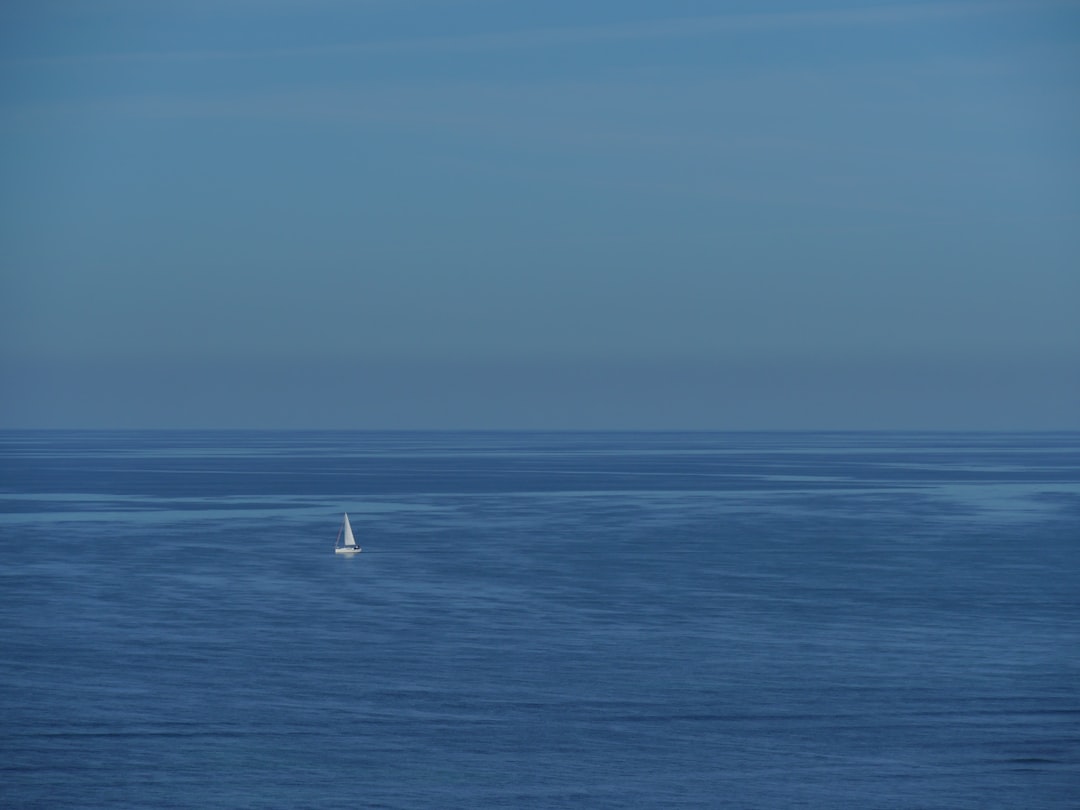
x: 485, y: 214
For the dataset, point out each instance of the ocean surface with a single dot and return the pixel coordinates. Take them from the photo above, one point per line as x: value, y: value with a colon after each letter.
x: 585, y: 620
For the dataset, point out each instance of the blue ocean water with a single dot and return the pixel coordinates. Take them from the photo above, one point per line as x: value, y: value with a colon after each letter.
x: 602, y: 620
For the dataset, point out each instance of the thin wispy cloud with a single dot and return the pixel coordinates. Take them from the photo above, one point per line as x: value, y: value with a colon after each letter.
x: 668, y: 28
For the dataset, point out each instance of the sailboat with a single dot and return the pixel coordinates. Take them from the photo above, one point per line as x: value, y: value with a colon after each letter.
x: 349, y: 545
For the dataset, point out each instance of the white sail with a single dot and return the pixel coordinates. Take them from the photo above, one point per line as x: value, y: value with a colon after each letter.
x: 345, y: 537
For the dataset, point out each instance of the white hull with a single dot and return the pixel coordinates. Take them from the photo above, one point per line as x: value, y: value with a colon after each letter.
x: 347, y: 550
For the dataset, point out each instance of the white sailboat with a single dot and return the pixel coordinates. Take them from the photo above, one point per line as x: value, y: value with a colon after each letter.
x: 349, y: 545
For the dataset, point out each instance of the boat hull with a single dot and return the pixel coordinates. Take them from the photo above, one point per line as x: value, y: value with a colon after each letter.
x: 355, y: 550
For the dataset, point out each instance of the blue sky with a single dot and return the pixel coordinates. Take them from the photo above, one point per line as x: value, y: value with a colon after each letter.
x: 442, y: 214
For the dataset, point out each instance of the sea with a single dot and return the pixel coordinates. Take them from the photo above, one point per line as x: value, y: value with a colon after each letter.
x: 539, y: 620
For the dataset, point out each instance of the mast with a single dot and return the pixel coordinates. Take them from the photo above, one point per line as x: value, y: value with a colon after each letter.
x: 350, y: 541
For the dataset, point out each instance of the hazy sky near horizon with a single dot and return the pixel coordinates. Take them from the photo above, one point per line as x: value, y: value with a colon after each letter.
x: 488, y: 214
